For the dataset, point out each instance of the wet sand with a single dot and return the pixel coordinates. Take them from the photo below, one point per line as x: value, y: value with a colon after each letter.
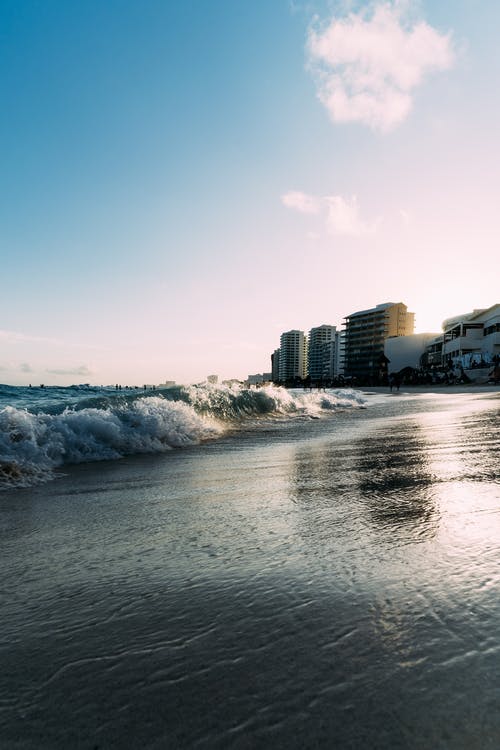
x: 448, y: 389
x: 314, y: 584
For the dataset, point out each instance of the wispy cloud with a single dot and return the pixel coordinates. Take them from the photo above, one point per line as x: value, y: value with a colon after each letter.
x: 25, y: 367
x: 306, y: 204
x: 367, y: 64
x: 81, y: 370
x: 15, y: 337
x: 342, y: 215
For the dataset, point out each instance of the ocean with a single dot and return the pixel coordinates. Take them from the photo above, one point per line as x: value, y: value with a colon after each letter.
x: 211, y: 567
x: 44, y: 428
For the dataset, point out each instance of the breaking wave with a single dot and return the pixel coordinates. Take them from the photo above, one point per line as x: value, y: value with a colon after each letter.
x: 104, y: 426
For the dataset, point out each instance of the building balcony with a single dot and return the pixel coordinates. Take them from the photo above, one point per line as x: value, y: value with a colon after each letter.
x: 491, y: 343
x: 463, y: 344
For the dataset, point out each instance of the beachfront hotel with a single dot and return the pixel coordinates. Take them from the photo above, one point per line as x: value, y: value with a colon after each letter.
x: 366, y: 332
x: 324, y: 353
x: 469, y: 341
x: 472, y: 338
x: 380, y: 340
x: 293, y: 355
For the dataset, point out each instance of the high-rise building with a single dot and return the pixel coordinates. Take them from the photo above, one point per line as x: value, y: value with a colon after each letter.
x: 293, y: 355
x: 339, y: 354
x: 365, y: 334
x: 321, y: 353
x: 275, y: 365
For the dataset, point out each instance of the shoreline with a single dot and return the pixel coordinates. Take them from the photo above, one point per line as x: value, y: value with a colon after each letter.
x: 344, y: 548
x: 436, y: 388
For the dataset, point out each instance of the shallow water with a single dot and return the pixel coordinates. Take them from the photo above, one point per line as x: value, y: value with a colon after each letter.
x: 311, y: 583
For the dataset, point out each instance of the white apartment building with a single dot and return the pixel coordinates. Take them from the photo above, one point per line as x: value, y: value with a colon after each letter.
x: 471, y: 338
x: 293, y: 355
x: 324, y: 353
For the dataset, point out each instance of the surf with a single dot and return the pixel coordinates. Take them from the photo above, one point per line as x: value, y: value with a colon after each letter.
x: 39, y: 438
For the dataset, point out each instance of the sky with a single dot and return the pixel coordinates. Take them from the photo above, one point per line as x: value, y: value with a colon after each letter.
x: 181, y: 182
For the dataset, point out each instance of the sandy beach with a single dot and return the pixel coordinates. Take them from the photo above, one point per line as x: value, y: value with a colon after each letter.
x: 323, y: 583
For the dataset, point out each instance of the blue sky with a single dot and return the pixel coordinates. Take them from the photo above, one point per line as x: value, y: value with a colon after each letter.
x: 179, y: 182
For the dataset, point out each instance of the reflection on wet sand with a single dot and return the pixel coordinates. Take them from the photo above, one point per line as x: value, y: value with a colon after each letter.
x: 464, y: 445
x: 399, y: 475
x: 396, y: 481
x: 379, y: 480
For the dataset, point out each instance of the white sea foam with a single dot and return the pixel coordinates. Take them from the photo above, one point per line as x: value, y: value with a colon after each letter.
x: 237, y: 402
x: 33, y: 445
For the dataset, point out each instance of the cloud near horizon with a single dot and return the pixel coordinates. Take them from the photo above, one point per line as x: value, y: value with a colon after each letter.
x: 342, y: 215
x: 15, y: 337
x: 82, y: 370
x: 366, y: 65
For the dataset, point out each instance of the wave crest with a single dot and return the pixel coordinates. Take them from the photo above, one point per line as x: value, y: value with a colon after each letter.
x: 33, y: 445
x: 238, y: 403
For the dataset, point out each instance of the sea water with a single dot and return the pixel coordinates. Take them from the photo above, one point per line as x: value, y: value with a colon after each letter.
x: 296, y: 570
x: 44, y: 428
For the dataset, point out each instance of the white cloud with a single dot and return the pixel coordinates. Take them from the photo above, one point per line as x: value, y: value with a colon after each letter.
x: 342, y: 215
x: 82, y: 370
x: 306, y: 204
x: 25, y: 367
x: 14, y: 337
x: 367, y: 64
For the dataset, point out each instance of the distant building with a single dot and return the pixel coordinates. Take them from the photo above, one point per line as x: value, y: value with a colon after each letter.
x: 462, y: 335
x: 407, y: 351
x: 472, y: 338
x: 275, y: 366
x: 434, y: 352
x: 212, y: 379
x: 321, y: 353
x: 339, y: 354
x: 491, y: 331
x: 293, y: 355
x: 258, y: 379
x: 366, y: 332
